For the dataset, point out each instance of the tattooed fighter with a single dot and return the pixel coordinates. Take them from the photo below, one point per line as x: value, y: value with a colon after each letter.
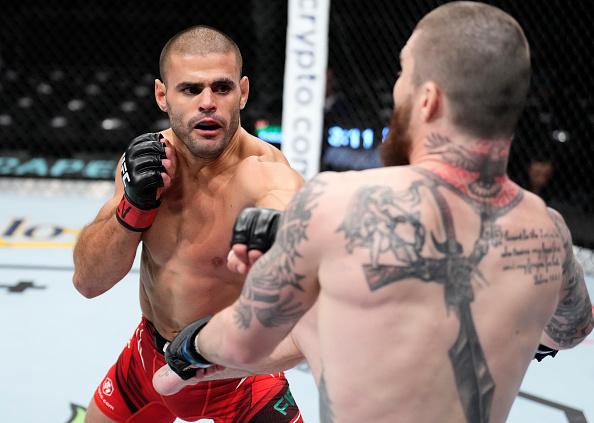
x: 435, y: 280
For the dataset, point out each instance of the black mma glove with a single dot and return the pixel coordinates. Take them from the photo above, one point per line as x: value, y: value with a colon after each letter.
x: 141, y: 175
x: 256, y: 227
x: 181, y: 352
x: 542, y: 351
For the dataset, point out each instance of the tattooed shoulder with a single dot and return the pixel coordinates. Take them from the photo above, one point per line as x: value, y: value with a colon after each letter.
x: 560, y: 224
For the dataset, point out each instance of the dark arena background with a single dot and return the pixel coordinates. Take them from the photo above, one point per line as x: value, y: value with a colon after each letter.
x: 76, y: 85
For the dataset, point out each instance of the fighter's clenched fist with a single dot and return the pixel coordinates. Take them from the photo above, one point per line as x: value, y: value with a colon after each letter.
x: 145, y: 168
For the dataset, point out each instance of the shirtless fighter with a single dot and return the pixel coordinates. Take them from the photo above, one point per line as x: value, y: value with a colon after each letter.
x: 178, y: 193
x: 435, y: 280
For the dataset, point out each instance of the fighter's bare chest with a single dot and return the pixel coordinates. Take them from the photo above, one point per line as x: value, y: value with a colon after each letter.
x: 194, y: 231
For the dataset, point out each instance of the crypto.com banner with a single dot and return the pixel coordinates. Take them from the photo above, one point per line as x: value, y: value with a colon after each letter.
x: 304, y: 84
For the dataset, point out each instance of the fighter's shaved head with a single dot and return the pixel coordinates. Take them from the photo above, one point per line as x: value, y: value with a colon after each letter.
x: 200, y: 40
x: 480, y: 58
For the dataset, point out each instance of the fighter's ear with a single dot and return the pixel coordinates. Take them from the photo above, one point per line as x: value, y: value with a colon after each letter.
x: 160, y: 91
x: 244, y: 86
x: 431, y: 101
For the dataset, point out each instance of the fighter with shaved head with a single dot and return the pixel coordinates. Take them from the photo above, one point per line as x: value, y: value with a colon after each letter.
x: 177, y: 194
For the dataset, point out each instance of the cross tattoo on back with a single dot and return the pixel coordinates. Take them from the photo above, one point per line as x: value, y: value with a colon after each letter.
x: 383, y: 220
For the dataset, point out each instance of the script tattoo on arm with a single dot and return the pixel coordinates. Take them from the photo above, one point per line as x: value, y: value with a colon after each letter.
x: 572, y: 320
x: 271, y: 289
x: 388, y: 222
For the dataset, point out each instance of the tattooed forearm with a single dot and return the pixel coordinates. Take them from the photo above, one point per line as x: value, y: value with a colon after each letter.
x: 572, y: 320
x: 269, y: 292
x: 285, y: 310
x: 242, y: 314
x: 295, y: 220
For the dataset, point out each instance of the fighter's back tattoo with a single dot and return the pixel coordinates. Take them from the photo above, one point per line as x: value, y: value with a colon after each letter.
x: 382, y: 220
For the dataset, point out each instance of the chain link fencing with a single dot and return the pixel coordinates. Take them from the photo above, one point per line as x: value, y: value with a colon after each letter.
x: 553, y: 150
x: 76, y: 84
x: 77, y: 78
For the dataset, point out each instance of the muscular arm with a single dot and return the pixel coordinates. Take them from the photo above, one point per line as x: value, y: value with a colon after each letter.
x: 276, y: 185
x: 271, y: 184
x: 572, y: 320
x: 105, y: 250
x: 285, y: 356
x: 274, y: 194
x: 279, y: 289
x: 282, y: 184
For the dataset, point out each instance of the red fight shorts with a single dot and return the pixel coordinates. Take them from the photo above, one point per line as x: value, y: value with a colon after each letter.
x: 126, y: 394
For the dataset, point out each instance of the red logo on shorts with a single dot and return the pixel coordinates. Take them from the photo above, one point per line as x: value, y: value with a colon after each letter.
x: 107, y: 387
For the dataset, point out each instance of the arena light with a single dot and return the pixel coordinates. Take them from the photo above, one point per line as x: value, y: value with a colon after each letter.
x: 141, y: 91
x: 267, y: 132
x: 5, y: 120
x: 560, y: 135
x: 58, y: 122
x: 110, y: 124
x: 75, y: 105
x: 129, y: 106
x: 161, y: 124
x: 93, y: 89
x: 44, y: 88
x: 25, y: 102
